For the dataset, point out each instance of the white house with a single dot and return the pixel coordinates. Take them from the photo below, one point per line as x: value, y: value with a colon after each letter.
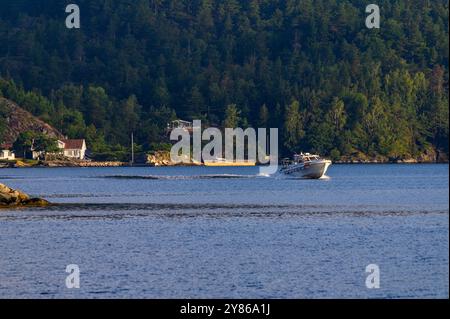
x: 73, y: 148
x: 60, y: 144
x: 7, y: 155
x: 180, y: 124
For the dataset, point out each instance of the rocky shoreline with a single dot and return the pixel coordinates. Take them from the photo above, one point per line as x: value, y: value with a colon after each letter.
x: 169, y: 164
x: 14, y: 198
x: 161, y: 159
x: 380, y: 161
x: 430, y: 156
x: 60, y: 163
x: 82, y: 164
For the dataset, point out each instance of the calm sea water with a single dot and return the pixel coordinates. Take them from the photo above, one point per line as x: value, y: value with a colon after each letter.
x: 197, y: 232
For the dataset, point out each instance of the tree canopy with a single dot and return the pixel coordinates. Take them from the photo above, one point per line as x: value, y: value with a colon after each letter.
x: 309, y: 67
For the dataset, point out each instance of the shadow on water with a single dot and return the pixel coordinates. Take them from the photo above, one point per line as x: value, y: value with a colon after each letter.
x: 113, y: 211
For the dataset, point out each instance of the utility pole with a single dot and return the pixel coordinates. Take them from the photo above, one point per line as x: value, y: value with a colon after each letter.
x: 132, y: 149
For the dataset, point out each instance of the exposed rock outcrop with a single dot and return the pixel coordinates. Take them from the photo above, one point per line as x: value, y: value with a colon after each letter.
x: 13, y: 198
x: 159, y: 158
x: 162, y: 158
x: 18, y: 120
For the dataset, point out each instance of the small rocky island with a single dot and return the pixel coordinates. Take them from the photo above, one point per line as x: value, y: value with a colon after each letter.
x: 13, y: 198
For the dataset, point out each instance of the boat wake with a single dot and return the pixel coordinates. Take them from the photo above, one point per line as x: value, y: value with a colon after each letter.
x: 184, y: 177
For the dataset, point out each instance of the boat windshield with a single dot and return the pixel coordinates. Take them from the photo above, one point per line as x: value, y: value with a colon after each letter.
x: 307, y: 158
x: 301, y: 159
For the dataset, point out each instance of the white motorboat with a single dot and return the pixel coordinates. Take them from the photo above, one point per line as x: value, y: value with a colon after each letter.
x: 305, y: 166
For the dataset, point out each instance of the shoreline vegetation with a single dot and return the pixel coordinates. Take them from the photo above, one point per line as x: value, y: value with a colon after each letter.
x: 163, y: 160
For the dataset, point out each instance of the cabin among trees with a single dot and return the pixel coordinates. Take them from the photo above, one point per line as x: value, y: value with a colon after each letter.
x: 71, y: 149
x: 179, y: 124
x: 30, y: 145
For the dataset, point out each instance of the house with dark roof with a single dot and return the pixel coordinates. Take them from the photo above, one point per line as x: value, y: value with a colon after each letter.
x: 73, y: 148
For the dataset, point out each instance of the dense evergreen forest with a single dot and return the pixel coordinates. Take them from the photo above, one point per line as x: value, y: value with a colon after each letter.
x: 309, y: 67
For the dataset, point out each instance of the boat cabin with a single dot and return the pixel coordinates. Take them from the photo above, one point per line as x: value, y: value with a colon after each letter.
x: 300, y: 158
x: 307, y: 157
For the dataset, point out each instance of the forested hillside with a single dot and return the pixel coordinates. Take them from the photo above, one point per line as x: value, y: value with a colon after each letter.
x: 309, y: 67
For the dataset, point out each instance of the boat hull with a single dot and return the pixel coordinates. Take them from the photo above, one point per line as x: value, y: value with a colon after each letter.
x: 312, y: 170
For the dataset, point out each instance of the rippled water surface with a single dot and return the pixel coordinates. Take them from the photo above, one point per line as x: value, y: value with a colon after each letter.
x: 191, y: 232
